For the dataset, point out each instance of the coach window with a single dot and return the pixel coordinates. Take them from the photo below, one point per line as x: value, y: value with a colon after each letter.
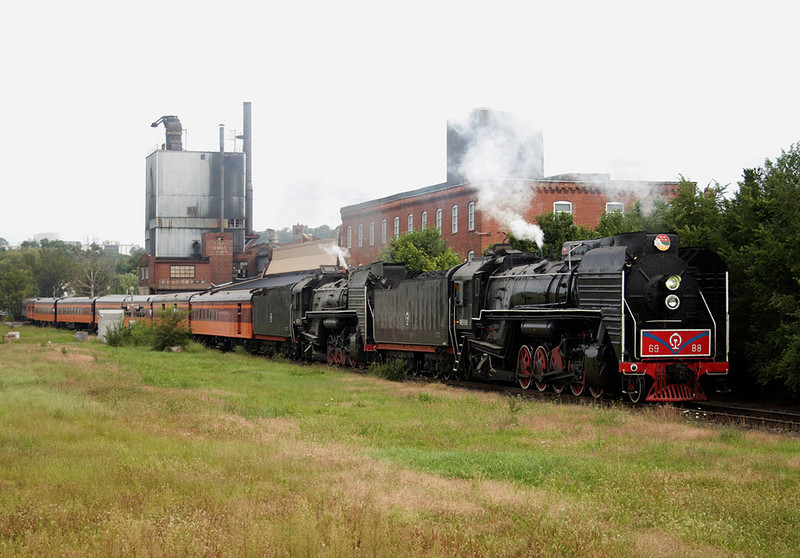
x: 383, y: 231
x: 349, y: 237
x: 455, y: 219
x: 615, y: 207
x: 372, y: 233
x: 439, y: 220
x: 424, y: 221
x: 396, y: 227
x: 410, y: 222
x: 471, y: 216
x: 562, y: 207
x: 360, y: 235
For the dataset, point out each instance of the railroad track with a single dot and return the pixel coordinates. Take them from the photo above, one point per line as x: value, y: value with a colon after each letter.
x: 739, y: 415
x: 781, y: 421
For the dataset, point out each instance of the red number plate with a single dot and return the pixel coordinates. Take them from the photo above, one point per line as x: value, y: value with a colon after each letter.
x: 675, y: 342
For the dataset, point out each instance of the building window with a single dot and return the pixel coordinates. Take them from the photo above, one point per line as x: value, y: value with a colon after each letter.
x: 615, y: 207
x: 562, y: 207
x: 383, y: 231
x: 439, y: 220
x: 349, y: 237
x: 396, y: 227
x: 424, y: 222
x: 410, y: 222
x: 471, y: 255
x: 471, y: 216
x: 360, y: 235
x: 181, y: 272
x: 372, y: 233
x: 455, y: 219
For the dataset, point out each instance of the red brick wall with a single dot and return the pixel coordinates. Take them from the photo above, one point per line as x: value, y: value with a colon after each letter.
x: 218, y: 248
x: 216, y: 266
x: 588, y: 204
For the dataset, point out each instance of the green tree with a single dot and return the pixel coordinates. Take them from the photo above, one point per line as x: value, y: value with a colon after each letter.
x: 93, y: 272
x: 633, y: 219
x: 421, y: 250
x: 16, y: 282
x: 697, y: 214
x: 53, y: 267
x: 761, y: 238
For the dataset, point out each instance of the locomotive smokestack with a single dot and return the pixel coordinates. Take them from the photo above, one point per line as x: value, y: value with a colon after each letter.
x: 248, y: 169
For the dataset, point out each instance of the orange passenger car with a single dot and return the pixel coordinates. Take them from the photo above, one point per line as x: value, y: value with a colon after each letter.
x: 223, y: 318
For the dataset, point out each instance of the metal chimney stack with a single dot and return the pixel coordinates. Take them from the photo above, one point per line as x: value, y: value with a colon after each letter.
x: 248, y: 169
x: 221, y: 178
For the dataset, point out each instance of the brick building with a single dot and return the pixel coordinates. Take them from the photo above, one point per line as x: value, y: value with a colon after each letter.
x: 495, y: 176
x: 467, y: 227
x: 215, y: 264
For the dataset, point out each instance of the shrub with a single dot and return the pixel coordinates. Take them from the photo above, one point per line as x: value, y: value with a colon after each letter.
x: 172, y: 330
x: 118, y: 335
x: 394, y: 370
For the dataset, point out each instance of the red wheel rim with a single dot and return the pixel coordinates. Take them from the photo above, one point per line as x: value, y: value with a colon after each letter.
x: 331, y: 356
x: 524, y: 360
x: 541, y: 386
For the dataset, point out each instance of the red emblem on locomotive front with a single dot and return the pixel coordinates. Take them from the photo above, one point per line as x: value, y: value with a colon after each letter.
x: 660, y: 343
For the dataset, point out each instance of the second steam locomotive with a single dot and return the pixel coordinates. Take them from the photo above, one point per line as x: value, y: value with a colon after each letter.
x: 632, y: 313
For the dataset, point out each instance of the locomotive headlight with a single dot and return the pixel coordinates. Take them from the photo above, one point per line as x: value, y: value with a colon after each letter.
x: 672, y: 301
x: 672, y: 283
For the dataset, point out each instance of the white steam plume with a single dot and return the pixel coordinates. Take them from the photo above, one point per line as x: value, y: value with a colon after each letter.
x: 339, y: 252
x: 500, y: 161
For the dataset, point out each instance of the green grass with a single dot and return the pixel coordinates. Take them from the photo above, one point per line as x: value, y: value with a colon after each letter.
x: 122, y: 451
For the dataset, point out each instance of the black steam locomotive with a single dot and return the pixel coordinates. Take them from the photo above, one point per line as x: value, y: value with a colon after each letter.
x: 631, y: 313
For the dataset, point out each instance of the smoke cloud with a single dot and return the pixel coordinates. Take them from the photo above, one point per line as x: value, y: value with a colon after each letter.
x: 339, y: 252
x: 499, y: 153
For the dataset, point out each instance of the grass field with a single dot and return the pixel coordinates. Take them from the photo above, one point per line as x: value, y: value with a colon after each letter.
x: 112, y: 452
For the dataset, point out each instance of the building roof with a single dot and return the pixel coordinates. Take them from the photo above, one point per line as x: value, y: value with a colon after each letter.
x: 303, y: 256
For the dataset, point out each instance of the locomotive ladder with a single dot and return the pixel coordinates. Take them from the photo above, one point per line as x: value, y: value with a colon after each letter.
x: 459, y: 354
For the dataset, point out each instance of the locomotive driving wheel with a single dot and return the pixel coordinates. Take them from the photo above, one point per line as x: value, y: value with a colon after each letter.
x: 577, y: 387
x: 596, y: 392
x: 331, y: 355
x: 541, y: 358
x: 636, y: 389
x: 524, y: 361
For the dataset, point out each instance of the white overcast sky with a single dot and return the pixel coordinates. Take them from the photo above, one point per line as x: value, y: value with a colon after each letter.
x: 351, y: 99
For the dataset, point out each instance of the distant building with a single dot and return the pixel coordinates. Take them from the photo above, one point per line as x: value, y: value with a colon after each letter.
x: 494, y: 171
x: 216, y: 263
x: 198, y: 215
